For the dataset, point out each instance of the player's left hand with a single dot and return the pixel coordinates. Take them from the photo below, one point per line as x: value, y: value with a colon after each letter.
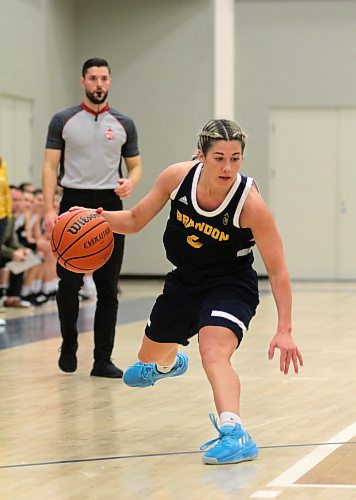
x: 289, y: 352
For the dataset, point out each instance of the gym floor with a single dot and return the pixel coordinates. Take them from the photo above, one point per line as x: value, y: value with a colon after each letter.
x: 72, y: 436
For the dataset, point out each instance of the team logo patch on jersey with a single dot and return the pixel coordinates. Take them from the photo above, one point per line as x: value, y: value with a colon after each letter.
x: 183, y: 200
x: 194, y: 241
x: 109, y: 134
x: 225, y: 220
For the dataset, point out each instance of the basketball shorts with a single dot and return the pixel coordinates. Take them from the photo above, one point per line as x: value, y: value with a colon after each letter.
x: 182, y: 310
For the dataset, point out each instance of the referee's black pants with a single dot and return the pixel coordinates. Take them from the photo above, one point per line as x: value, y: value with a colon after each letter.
x: 106, y: 279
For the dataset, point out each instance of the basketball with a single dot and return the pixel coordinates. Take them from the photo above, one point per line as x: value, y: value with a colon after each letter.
x: 82, y: 241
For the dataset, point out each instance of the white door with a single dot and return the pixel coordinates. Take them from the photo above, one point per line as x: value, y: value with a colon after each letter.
x: 16, y: 137
x: 346, y: 208
x: 312, y: 160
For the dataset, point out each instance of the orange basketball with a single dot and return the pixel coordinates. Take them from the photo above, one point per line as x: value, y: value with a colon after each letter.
x: 82, y: 241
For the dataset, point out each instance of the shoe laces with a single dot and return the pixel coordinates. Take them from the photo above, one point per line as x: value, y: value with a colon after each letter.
x: 147, y: 371
x: 180, y: 362
x: 228, y: 433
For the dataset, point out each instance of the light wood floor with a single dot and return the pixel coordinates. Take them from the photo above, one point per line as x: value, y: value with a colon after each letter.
x: 71, y: 436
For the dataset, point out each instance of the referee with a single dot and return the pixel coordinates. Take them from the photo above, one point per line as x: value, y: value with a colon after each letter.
x: 83, y: 155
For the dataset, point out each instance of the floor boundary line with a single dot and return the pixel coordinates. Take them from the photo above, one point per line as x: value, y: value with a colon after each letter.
x: 305, y: 464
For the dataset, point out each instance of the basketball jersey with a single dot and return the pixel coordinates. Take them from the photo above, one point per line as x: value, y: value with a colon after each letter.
x: 211, y: 243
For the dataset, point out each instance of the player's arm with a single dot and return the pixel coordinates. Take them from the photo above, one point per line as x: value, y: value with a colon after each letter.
x: 132, y: 221
x: 49, y: 185
x: 257, y: 215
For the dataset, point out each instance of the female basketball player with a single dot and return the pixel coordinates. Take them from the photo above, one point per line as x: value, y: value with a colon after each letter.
x: 216, y: 217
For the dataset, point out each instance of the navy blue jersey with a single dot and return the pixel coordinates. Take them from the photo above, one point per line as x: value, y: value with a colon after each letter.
x: 202, y: 244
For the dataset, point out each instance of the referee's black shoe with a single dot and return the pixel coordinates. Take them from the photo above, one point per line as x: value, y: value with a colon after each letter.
x: 68, y: 358
x: 106, y: 369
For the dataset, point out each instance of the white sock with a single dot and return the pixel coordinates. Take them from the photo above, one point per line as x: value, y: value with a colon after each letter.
x: 25, y: 290
x: 88, y: 284
x: 53, y: 284
x: 229, y: 418
x: 46, y: 287
x: 165, y: 368
x: 36, y: 286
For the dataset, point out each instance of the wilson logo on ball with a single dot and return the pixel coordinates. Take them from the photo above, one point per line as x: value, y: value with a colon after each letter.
x: 81, y: 222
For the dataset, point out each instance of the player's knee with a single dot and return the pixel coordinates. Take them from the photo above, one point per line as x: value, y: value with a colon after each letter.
x: 209, y: 355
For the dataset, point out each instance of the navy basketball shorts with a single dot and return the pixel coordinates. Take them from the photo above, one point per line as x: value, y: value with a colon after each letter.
x: 181, y: 311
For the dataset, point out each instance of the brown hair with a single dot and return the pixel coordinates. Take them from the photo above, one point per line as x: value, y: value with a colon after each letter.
x: 220, y: 130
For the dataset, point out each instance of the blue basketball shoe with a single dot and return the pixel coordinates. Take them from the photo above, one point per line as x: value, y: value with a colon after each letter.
x: 146, y: 374
x: 233, y: 445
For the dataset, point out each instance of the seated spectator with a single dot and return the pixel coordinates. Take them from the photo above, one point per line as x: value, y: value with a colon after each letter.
x: 45, y: 280
x: 39, y: 282
x: 16, y: 250
x: 11, y: 250
x: 25, y: 222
